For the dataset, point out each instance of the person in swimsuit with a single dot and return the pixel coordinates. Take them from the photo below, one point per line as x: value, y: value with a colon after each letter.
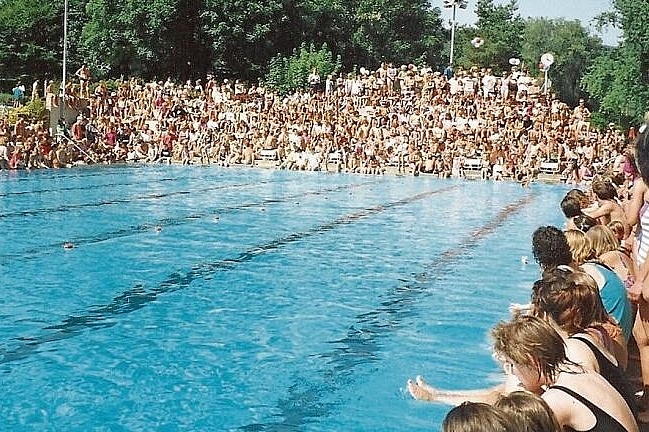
x: 606, y: 249
x: 608, y: 208
x: 611, y: 288
x: 535, y: 354
x: 638, y: 214
x: 551, y: 249
x: 569, y: 300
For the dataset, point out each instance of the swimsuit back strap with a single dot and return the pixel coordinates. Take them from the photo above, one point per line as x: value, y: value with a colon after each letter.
x: 604, y: 422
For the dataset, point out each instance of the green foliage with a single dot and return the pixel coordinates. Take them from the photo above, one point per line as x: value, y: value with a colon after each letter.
x: 288, y: 74
x: 573, y: 50
x: 6, y: 98
x: 397, y: 30
x: 24, y: 45
x: 618, y: 79
x: 245, y: 35
x: 33, y: 111
x: 501, y: 28
x: 614, y: 82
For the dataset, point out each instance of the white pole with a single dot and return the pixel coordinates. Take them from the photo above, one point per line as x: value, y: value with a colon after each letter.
x: 545, y: 83
x: 65, y: 55
x: 452, y: 34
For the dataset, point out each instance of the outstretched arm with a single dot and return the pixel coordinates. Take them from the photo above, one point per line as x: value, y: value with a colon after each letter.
x: 420, y: 390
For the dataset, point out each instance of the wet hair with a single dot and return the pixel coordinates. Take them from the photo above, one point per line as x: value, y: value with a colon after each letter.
x: 579, y: 246
x: 571, y: 298
x: 550, y: 247
x: 604, y: 190
x: 642, y: 152
x: 529, y: 412
x: 583, y: 222
x: 477, y: 417
x: 602, y: 239
x: 531, y: 342
x: 571, y: 206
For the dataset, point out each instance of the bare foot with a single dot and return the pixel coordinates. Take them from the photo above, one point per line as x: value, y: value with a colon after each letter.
x: 420, y: 390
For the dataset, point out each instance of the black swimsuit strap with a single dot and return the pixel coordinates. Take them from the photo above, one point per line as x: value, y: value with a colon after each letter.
x: 603, y: 421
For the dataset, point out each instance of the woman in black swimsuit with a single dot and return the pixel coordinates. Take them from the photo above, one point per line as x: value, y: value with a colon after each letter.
x: 569, y: 300
x: 581, y: 400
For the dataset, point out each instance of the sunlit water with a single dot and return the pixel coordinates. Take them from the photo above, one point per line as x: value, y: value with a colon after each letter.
x: 214, y: 299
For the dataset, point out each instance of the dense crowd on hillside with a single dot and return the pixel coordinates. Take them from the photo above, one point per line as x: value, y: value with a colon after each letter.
x: 415, y: 120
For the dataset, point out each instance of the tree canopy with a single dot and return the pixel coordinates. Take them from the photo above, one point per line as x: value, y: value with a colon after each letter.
x: 187, y: 39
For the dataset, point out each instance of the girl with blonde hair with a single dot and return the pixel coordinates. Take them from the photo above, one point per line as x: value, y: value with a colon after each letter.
x: 605, y: 246
x: 611, y: 287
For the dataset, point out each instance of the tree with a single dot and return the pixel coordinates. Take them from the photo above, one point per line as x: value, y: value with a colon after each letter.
x: 141, y: 37
x: 243, y: 36
x: 287, y: 74
x: 25, y: 48
x: 502, y: 29
x: 402, y: 31
x: 619, y: 78
x: 572, y: 48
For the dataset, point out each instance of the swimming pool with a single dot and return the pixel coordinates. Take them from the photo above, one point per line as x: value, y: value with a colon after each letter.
x: 205, y: 298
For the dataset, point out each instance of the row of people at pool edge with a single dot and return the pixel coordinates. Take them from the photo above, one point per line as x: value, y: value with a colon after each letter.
x: 414, y: 119
x: 569, y: 346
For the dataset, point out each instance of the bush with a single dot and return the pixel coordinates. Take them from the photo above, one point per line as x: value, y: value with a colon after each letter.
x: 32, y: 111
x: 6, y: 99
x: 286, y: 75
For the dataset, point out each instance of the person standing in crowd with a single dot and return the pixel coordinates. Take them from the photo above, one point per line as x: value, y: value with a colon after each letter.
x: 638, y: 213
x: 83, y: 73
x: 18, y: 94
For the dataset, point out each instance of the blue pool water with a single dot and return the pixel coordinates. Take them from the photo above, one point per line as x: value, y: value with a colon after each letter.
x: 210, y: 299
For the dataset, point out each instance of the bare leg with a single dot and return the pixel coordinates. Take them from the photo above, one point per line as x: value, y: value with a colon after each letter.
x: 641, y: 334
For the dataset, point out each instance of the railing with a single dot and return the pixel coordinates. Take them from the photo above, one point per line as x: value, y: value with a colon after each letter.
x: 60, y: 135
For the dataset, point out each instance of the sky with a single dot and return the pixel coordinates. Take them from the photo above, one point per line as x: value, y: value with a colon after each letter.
x: 582, y: 10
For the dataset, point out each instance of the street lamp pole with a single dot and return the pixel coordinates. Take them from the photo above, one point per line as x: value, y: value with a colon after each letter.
x: 65, y: 56
x: 450, y: 61
x: 454, y: 4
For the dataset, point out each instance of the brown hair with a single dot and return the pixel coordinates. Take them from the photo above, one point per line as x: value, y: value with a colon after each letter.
x: 530, y: 341
x: 476, y: 417
x: 529, y: 412
x: 570, y: 298
x: 618, y: 229
x: 604, y: 190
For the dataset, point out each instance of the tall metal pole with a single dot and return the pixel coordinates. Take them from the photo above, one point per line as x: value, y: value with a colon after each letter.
x: 545, y: 81
x: 65, y: 57
x: 450, y: 62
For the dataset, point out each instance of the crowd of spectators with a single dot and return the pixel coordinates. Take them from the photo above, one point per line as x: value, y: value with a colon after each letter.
x: 413, y: 120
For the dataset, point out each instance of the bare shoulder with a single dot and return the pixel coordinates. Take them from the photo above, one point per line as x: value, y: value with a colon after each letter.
x: 561, y: 404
